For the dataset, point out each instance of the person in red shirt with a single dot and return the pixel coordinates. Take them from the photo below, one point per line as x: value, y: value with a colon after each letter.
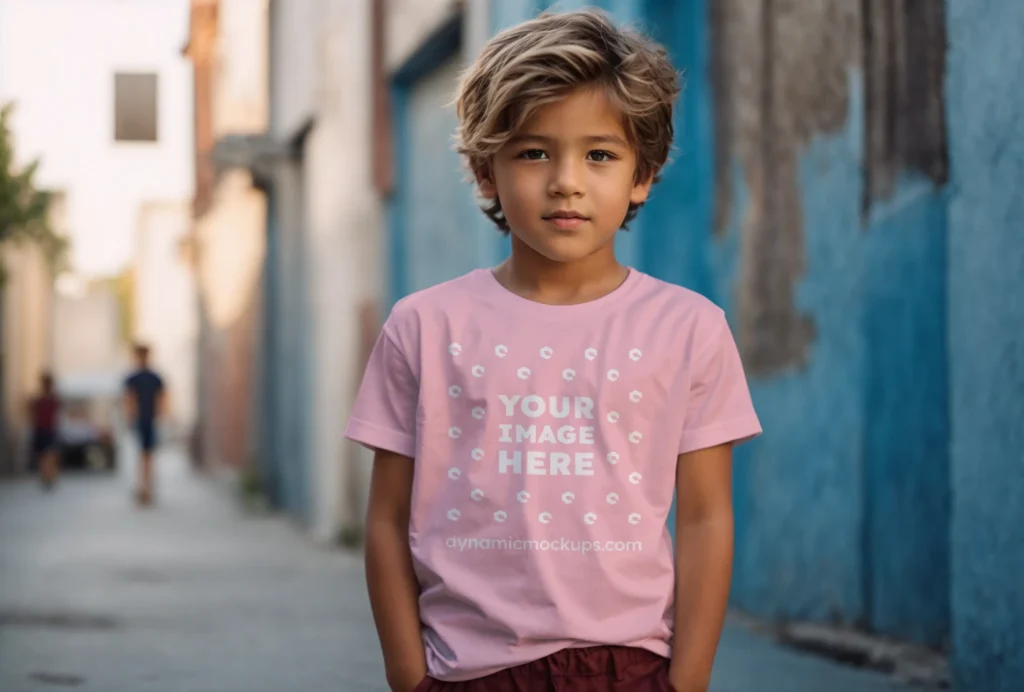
x: 44, y: 411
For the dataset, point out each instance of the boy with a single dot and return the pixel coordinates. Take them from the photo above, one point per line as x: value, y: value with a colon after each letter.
x: 530, y: 422
x: 145, y: 400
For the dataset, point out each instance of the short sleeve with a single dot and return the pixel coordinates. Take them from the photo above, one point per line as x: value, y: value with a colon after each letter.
x: 384, y: 414
x: 719, y: 408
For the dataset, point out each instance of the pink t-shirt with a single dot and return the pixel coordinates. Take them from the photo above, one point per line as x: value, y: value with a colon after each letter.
x: 545, y: 441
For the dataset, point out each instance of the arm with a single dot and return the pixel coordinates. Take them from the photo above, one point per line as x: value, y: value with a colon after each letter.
x: 394, y: 591
x: 128, y: 405
x: 704, y: 553
x: 163, y: 406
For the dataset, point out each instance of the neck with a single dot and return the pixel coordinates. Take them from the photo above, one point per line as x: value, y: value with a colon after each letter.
x: 531, y: 275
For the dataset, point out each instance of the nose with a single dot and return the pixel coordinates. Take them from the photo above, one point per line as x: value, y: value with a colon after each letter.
x: 566, y: 179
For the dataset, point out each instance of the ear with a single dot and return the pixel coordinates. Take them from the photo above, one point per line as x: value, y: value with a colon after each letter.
x: 485, y: 183
x: 641, y: 189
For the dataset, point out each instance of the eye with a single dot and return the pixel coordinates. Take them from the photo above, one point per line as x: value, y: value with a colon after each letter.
x: 532, y: 154
x: 601, y: 156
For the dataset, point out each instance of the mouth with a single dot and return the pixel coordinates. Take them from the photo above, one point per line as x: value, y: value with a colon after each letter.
x: 566, y: 220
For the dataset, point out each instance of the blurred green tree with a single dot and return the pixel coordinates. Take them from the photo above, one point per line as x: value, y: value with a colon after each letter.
x: 24, y: 209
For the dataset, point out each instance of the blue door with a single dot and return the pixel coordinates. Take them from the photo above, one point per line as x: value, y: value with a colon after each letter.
x: 287, y: 343
x: 437, y: 231
x: 270, y: 449
x: 440, y: 222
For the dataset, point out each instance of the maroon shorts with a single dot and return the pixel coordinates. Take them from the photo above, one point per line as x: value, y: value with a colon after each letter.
x: 595, y: 669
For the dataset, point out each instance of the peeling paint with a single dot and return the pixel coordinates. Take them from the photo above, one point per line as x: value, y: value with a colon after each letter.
x: 782, y: 70
x: 905, y: 114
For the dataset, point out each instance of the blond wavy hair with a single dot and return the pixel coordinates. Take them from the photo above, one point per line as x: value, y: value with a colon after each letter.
x: 540, y: 61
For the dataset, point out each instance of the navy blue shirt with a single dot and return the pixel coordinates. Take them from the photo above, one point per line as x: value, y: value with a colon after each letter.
x: 146, y: 386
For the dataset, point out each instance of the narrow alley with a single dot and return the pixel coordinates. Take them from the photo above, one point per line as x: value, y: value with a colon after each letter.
x: 193, y: 595
x: 196, y: 595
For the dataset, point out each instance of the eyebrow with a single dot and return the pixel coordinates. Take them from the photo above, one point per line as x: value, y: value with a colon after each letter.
x: 592, y: 139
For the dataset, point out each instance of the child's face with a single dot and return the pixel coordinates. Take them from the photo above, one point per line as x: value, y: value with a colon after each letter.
x: 566, y: 180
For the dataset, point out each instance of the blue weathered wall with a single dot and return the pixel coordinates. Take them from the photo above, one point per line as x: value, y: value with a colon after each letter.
x: 986, y: 278
x: 842, y: 506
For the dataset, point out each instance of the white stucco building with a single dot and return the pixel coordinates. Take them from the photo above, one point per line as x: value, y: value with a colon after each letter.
x: 59, y: 61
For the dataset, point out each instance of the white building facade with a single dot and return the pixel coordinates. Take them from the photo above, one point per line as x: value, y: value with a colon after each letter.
x: 103, y: 99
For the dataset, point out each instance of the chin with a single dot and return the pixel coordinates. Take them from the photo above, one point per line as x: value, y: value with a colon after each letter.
x: 564, y: 248
x: 566, y: 253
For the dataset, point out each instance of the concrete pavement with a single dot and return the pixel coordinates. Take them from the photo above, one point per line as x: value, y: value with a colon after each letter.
x: 196, y: 596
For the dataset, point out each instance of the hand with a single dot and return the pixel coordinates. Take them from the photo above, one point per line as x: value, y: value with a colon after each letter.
x: 417, y: 684
x: 406, y: 681
x: 682, y: 681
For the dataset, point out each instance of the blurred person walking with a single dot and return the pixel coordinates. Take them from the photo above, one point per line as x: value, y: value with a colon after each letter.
x: 145, y: 401
x: 44, y: 412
